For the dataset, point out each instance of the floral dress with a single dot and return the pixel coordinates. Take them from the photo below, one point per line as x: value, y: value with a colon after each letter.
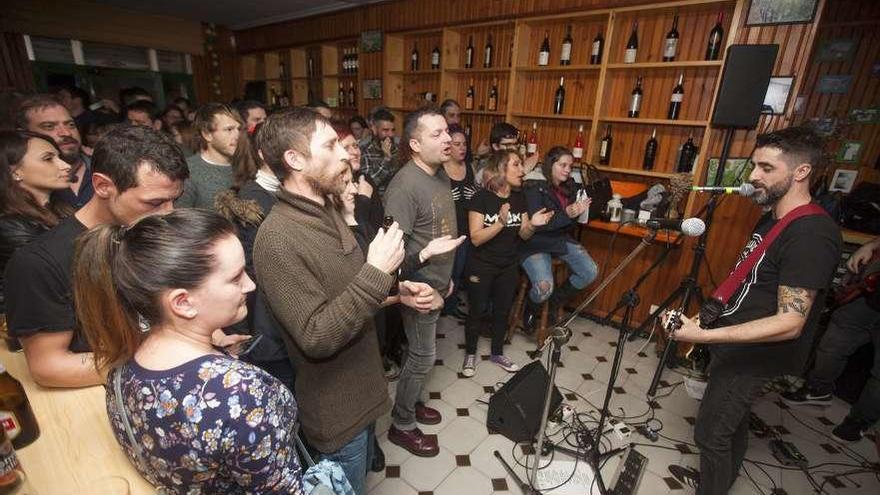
x: 212, y: 425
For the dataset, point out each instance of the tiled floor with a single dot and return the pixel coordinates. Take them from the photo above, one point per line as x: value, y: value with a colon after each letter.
x: 466, y: 464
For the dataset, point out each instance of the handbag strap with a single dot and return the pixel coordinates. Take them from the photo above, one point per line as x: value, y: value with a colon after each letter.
x: 733, y: 281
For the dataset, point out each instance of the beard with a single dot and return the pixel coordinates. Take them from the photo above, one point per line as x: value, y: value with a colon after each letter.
x: 327, y: 185
x: 770, y: 195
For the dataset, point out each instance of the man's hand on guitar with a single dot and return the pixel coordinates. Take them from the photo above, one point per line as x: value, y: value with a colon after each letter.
x: 689, y: 331
x: 862, y: 256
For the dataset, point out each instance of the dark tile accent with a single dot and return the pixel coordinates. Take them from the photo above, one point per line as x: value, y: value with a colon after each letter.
x: 781, y: 430
x: 484, y: 357
x: 438, y: 362
x: 489, y: 389
x: 778, y: 491
x: 460, y: 375
x: 586, y: 334
x: 426, y: 493
x: 612, y: 344
x: 782, y: 405
x: 571, y: 396
x: 601, y: 359
x: 672, y: 483
x: 392, y: 471
x: 691, y: 420
x: 462, y: 460
x: 655, y: 404
x: 574, y: 348
x: 586, y: 376
x: 631, y: 371
x: 683, y: 448
x: 441, y: 335
x: 834, y: 482
x: 461, y: 346
x: 499, y: 485
x: 619, y: 390
x: 663, y: 383
x: 533, y: 354
x: 642, y: 354
x: 526, y: 449
x: 561, y: 364
x: 462, y: 411
x: 825, y: 421
x: 831, y: 449
x: 434, y: 395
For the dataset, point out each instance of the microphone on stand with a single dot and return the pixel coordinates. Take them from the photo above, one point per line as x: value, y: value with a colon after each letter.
x: 691, y: 227
x: 744, y: 189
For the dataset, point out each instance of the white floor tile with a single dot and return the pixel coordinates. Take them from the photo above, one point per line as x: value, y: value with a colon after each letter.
x: 425, y: 473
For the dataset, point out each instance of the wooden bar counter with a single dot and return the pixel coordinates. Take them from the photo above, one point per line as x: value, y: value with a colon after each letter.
x: 76, y: 446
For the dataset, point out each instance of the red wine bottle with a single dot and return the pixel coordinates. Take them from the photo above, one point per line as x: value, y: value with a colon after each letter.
x: 488, y: 52
x: 676, y: 99
x: 687, y: 156
x: 632, y: 46
x: 532, y: 146
x: 650, y: 152
x: 635, y: 101
x: 493, y: 97
x: 565, y: 56
x: 414, y: 59
x: 469, y: 96
x: 713, y: 49
x: 605, y: 147
x: 352, y: 95
x: 670, y: 47
x: 341, y: 95
x: 577, y: 151
x: 469, y: 54
x: 559, y: 97
x: 435, y: 58
x: 544, y: 53
x: 596, y: 49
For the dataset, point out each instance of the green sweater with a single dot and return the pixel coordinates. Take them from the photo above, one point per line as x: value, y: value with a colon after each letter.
x: 205, y: 181
x: 324, y: 295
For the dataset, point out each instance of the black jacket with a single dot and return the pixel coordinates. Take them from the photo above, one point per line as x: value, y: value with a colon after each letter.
x: 15, y: 232
x: 550, y: 238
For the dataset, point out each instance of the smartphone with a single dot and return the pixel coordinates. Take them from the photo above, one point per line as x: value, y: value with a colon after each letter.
x: 243, y: 347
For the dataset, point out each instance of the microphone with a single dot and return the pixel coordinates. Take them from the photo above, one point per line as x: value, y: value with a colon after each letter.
x: 691, y: 227
x: 744, y: 189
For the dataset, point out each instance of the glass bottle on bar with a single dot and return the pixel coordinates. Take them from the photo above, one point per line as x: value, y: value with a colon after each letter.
x: 716, y: 36
x: 565, y: 55
x: 469, y: 53
x: 492, y: 105
x: 532, y: 146
x: 544, y: 52
x: 435, y: 58
x: 469, y: 96
x: 559, y: 97
x: 605, y: 146
x: 577, y: 151
x: 596, y: 49
x: 670, y: 45
x: 488, y: 52
x: 650, y: 152
x: 414, y: 59
x: 676, y: 99
x: 16, y: 415
x: 632, y: 45
x: 635, y: 100
x: 687, y: 155
x: 352, y: 94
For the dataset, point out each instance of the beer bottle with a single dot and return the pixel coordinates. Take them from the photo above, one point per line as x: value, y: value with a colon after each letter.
x: 16, y: 415
x: 12, y: 479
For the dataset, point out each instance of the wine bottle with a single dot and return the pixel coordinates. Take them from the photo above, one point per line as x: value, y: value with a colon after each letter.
x: 713, y: 49
x: 275, y: 98
x: 544, y: 53
x: 559, y: 97
x: 670, y: 47
x: 414, y: 59
x: 577, y: 151
x: 311, y: 66
x: 488, y: 52
x: 632, y: 46
x: 596, y: 49
x: 469, y: 54
x: 282, y: 71
x: 605, y: 147
x: 469, y: 96
x: 650, y: 152
x: 521, y: 143
x: 675, y: 99
x: 532, y: 147
x: 565, y: 56
x: 341, y: 95
x: 468, y: 130
x: 493, y: 96
x: 687, y: 156
x: 355, y: 61
x: 352, y: 94
x: 435, y: 58
x: 635, y: 101
x: 510, y: 55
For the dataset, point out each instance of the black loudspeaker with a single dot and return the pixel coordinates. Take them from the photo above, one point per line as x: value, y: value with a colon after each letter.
x: 515, y: 409
x: 744, y: 84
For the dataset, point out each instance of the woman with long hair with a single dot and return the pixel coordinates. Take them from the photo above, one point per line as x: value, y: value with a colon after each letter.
x: 190, y: 417
x: 558, y: 193
x: 498, y: 221
x: 463, y: 186
x: 31, y: 169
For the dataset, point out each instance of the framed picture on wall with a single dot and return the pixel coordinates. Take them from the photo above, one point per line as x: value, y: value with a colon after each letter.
x: 777, y: 95
x: 372, y: 89
x: 836, y: 50
x: 371, y: 41
x: 849, y: 152
x: 824, y: 126
x: 843, y: 180
x: 736, y: 171
x: 764, y: 12
x: 834, y: 85
x: 865, y: 115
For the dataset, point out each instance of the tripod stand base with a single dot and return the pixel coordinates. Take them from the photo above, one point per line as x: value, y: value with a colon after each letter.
x: 523, y: 486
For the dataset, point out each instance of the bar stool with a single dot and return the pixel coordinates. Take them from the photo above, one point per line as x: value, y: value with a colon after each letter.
x: 514, y: 321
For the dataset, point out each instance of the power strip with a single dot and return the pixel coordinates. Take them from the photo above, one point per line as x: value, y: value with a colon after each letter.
x: 787, y: 454
x: 621, y: 429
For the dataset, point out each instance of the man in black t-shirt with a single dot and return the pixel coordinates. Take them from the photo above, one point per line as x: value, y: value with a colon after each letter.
x: 767, y: 326
x: 136, y: 171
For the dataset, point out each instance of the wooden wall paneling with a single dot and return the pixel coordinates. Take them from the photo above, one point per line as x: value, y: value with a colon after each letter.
x: 227, y: 68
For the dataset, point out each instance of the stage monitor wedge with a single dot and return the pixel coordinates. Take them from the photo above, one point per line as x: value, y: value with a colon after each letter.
x: 744, y: 83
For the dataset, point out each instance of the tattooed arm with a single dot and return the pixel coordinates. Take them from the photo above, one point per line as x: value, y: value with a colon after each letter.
x: 793, y: 307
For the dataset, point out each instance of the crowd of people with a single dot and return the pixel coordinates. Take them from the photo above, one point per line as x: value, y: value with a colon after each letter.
x: 234, y: 276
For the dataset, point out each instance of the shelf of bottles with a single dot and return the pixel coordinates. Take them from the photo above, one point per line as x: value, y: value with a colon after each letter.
x: 413, y: 67
x: 339, y: 76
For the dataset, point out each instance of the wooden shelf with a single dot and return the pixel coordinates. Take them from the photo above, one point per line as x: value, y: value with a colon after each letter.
x: 551, y: 116
x: 483, y: 112
x: 431, y: 72
x: 559, y: 68
x: 640, y: 121
x: 479, y: 70
x: 632, y: 230
x: 635, y: 171
x: 669, y: 65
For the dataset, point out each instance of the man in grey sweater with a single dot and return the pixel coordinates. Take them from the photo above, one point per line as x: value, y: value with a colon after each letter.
x: 211, y: 169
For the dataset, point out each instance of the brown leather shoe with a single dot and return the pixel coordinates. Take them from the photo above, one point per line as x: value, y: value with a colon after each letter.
x: 416, y: 442
x: 427, y: 415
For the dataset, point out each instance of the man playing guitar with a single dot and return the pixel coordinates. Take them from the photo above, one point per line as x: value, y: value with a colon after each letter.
x: 764, y: 327
x: 852, y: 325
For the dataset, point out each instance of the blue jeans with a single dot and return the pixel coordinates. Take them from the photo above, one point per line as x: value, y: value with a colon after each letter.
x: 539, y: 269
x: 354, y: 458
x: 421, y: 332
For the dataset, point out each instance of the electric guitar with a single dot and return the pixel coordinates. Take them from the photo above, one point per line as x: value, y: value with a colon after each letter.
x: 854, y: 285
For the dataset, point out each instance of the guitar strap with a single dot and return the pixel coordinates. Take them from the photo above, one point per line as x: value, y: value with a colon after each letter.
x: 712, y: 307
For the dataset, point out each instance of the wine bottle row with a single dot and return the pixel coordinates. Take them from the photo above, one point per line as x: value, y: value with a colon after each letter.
x: 687, y: 152
x: 671, y: 42
x: 350, y: 60
x: 565, y: 52
x: 491, y: 100
x: 347, y: 98
x: 675, y: 99
x: 414, y: 64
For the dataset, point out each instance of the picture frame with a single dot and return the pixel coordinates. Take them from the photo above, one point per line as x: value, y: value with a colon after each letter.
x: 836, y: 50
x: 372, y: 89
x: 777, y: 96
x: 849, y: 152
x: 824, y: 126
x: 769, y: 12
x: 736, y: 171
x: 843, y: 180
x: 865, y: 115
x: 834, y: 85
x: 371, y: 41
